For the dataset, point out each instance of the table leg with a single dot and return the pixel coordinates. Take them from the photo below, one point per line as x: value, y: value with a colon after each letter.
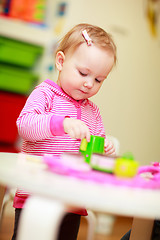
x: 40, y: 219
x: 141, y: 229
x: 2, y: 194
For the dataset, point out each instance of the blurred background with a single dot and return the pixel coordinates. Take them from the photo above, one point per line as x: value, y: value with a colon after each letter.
x: 128, y: 100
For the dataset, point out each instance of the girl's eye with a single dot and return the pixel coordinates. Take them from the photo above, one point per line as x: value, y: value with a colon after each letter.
x: 97, y: 80
x: 82, y: 74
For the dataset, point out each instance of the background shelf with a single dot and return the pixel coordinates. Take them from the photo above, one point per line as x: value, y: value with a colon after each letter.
x: 23, y: 31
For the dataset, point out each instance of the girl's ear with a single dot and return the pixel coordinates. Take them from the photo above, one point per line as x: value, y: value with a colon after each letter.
x: 60, y: 60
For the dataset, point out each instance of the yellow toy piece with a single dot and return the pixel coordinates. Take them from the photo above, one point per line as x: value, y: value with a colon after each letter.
x: 125, y: 167
x: 83, y: 146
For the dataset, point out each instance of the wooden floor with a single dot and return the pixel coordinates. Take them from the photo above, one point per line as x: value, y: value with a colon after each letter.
x: 121, y: 226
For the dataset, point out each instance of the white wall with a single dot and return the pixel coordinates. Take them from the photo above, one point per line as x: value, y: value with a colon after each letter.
x: 129, y: 99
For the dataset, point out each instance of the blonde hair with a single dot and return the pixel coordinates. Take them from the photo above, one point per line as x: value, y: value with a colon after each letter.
x: 99, y: 38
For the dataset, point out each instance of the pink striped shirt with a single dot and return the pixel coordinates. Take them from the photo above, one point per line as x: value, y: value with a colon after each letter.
x: 40, y: 123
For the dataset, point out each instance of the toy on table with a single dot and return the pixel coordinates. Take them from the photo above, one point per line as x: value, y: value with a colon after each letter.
x: 67, y: 163
x: 102, y: 162
x: 126, y: 166
x: 93, y: 152
x: 150, y: 172
x: 96, y: 145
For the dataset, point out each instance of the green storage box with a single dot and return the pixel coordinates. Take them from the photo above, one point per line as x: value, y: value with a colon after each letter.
x: 16, y: 79
x: 18, y: 53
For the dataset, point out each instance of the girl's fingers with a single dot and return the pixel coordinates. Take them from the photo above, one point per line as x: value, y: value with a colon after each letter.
x: 76, y: 129
x: 111, y: 152
x: 109, y: 147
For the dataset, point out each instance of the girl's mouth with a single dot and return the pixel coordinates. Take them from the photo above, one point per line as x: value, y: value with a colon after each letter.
x: 83, y: 92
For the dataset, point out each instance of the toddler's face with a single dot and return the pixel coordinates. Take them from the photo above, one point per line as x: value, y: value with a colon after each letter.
x: 82, y: 72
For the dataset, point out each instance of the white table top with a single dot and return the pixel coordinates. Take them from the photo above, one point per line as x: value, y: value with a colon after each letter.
x: 17, y: 172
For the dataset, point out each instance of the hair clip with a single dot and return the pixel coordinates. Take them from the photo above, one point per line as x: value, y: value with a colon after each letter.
x: 87, y: 38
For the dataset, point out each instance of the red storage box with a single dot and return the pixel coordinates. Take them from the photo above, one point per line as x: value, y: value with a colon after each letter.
x: 10, y: 107
x: 5, y: 147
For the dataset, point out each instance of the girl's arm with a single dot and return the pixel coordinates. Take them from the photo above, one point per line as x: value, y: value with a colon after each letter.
x: 35, y: 121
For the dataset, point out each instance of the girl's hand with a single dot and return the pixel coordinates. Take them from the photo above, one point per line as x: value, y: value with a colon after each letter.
x: 76, y: 128
x: 109, y: 147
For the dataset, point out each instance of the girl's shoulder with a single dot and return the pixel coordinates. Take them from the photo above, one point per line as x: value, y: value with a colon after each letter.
x: 50, y: 87
x: 44, y: 86
x: 93, y: 105
x: 94, y: 108
x: 47, y: 88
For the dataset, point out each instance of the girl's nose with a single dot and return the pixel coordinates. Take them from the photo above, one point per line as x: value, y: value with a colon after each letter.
x: 88, y: 83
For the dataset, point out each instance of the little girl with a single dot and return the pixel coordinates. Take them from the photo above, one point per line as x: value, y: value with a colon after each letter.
x: 58, y: 115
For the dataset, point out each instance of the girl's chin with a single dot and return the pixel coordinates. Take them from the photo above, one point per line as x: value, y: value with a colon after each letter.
x: 78, y: 95
x: 78, y: 98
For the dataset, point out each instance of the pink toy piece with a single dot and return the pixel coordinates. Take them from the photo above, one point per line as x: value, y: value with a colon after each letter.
x: 153, y: 170
x: 156, y: 164
x: 66, y: 163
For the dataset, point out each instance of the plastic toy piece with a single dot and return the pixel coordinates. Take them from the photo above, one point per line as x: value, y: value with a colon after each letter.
x: 128, y: 155
x: 103, y: 163
x: 93, y: 152
x: 96, y: 145
x: 119, y: 166
x: 156, y: 164
x: 126, y: 167
x: 83, y: 146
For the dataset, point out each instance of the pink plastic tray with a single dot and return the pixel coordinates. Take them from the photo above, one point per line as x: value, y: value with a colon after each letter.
x: 82, y: 171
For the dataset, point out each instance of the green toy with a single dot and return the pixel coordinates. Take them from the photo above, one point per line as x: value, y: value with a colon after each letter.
x: 96, y: 145
x: 94, y: 155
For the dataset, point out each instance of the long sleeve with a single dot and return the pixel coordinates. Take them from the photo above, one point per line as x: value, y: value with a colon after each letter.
x: 36, y: 122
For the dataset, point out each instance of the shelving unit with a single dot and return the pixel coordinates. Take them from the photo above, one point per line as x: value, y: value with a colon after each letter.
x: 32, y: 34
x: 27, y: 32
